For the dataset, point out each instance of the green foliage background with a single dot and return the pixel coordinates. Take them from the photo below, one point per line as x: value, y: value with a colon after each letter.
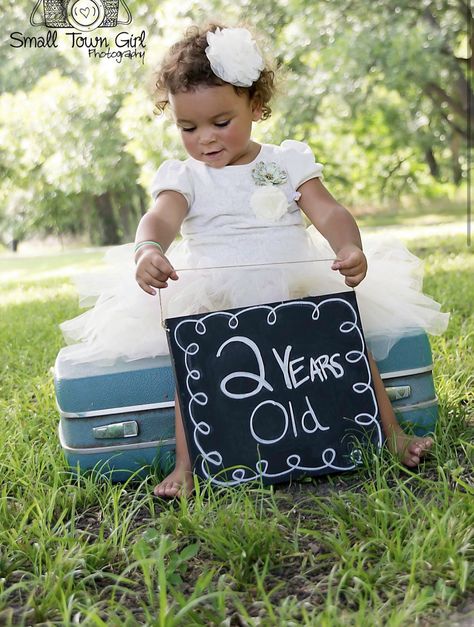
x: 379, y: 90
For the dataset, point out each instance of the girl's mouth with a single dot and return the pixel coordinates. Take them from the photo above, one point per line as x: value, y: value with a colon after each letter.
x: 213, y: 154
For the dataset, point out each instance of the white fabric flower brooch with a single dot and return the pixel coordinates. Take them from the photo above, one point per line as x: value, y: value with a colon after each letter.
x: 234, y: 56
x: 268, y: 201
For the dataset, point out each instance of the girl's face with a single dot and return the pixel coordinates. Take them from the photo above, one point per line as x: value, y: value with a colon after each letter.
x: 215, y: 124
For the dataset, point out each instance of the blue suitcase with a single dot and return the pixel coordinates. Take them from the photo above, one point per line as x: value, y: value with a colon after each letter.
x: 120, y: 419
x: 407, y: 373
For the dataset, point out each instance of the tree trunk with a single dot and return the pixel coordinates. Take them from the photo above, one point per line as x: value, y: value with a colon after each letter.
x: 459, y: 94
x: 432, y: 163
x: 108, y: 226
x: 455, y: 146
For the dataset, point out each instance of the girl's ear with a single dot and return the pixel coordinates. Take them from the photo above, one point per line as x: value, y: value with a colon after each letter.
x: 257, y: 109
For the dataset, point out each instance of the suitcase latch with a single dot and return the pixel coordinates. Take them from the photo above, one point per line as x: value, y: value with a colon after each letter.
x: 398, y: 392
x: 128, y: 429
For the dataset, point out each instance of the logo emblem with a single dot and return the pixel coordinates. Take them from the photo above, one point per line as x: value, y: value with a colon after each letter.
x: 83, y: 15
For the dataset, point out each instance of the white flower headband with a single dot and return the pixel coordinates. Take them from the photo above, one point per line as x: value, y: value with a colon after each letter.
x: 234, y: 56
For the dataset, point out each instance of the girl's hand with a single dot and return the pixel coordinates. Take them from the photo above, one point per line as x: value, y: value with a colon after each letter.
x: 153, y: 269
x: 352, y: 264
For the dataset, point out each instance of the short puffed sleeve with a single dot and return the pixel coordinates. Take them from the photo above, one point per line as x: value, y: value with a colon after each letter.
x: 300, y: 162
x: 173, y: 175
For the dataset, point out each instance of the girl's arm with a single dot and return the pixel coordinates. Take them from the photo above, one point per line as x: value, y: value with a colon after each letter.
x: 338, y: 226
x: 160, y: 224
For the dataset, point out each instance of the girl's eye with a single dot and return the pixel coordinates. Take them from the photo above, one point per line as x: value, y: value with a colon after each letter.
x: 188, y: 130
x: 222, y: 124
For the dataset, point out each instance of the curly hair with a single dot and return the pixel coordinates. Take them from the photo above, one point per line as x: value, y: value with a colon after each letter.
x: 186, y: 67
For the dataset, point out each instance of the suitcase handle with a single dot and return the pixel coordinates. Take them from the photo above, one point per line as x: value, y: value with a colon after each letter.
x: 128, y: 429
x: 397, y: 392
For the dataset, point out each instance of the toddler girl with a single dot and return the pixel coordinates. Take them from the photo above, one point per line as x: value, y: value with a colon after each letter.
x: 238, y: 203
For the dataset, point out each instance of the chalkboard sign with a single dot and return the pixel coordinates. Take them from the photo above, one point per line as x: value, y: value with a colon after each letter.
x: 275, y: 391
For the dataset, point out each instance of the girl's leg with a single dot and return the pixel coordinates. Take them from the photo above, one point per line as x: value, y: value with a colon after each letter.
x: 180, y: 480
x: 410, y: 449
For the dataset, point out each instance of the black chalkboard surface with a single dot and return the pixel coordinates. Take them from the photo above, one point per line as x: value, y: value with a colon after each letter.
x: 275, y: 391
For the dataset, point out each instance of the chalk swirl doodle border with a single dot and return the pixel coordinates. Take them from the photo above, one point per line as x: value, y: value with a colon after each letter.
x: 293, y: 461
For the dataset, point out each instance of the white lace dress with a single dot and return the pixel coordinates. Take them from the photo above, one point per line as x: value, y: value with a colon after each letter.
x: 240, y: 241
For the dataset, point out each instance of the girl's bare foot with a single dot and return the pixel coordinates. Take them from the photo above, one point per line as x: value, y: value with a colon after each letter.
x: 409, y: 449
x: 178, y: 482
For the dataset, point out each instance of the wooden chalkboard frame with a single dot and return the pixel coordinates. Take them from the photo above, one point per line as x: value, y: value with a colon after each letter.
x: 184, y: 335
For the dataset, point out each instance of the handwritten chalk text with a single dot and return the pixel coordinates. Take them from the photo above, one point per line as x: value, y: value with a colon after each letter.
x: 295, y: 371
x: 309, y: 422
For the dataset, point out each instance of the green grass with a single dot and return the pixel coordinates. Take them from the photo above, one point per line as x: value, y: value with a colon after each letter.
x: 386, y: 546
x: 17, y: 268
x: 427, y: 211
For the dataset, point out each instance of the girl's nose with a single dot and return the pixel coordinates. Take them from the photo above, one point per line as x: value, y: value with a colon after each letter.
x: 207, y: 137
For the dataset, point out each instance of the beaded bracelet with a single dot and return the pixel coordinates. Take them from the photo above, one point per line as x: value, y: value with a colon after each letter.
x: 141, y: 244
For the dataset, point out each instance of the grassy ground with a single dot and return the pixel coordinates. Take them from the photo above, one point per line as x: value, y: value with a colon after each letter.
x: 429, y: 211
x: 386, y: 546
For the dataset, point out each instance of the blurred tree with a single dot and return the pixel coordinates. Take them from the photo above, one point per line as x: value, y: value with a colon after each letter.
x: 64, y: 154
x: 419, y: 51
x: 65, y: 164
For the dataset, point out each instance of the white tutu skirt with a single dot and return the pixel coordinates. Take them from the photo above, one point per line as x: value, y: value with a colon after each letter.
x: 126, y: 323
